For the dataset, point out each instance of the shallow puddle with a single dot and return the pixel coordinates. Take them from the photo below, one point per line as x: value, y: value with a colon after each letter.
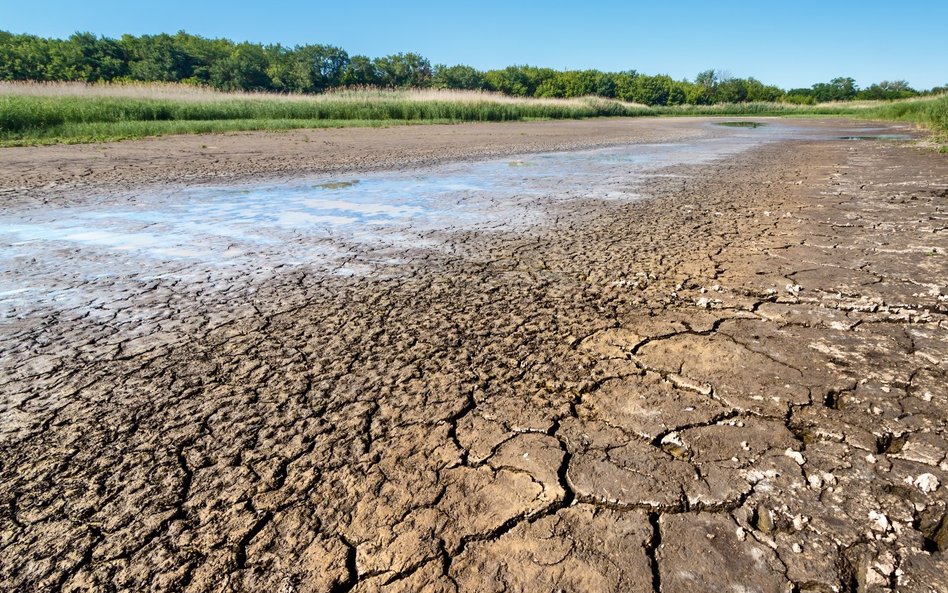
x: 320, y: 222
x: 741, y: 124
x: 877, y: 137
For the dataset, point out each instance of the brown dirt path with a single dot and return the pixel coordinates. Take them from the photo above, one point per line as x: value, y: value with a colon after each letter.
x: 737, y: 385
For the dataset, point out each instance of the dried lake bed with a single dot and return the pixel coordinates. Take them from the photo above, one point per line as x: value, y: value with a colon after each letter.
x: 596, y: 356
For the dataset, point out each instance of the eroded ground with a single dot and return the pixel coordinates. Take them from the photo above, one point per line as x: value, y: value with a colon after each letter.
x: 737, y: 385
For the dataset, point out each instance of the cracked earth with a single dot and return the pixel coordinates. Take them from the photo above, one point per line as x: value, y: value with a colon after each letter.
x: 736, y: 384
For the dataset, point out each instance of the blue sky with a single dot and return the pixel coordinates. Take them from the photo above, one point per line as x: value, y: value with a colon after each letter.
x: 790, y: 44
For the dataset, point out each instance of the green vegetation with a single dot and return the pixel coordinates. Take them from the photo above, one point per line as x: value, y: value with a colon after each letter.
x: 87, y: 88
x: 39, y: 114
x: 70, y: 113
x: 231, y: 66
x: 931, y: 114
x: 82, y: 133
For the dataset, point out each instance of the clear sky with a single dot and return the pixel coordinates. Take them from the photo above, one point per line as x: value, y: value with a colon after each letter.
x: 789, y: 43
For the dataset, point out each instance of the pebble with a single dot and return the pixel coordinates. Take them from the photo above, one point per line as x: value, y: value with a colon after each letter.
x: 925, y: 482
x: 800, y: 521
x: 795, y: 455
x: 879, y: 521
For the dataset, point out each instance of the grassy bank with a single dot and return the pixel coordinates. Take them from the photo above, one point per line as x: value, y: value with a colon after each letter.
x: 70, y: 113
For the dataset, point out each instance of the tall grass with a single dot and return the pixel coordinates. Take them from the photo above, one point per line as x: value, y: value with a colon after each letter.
x: 931, y: 114
x: 43, y: 113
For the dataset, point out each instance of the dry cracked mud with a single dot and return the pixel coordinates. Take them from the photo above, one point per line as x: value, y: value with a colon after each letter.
x: 737, y: 384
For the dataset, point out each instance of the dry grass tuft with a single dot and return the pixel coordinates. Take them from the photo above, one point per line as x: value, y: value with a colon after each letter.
x: 185, y: 92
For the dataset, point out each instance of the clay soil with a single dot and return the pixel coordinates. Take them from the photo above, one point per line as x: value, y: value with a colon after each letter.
x: 737, y: 384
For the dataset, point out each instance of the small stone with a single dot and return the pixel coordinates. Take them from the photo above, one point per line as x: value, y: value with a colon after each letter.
x: 794, y: 288
x: 745, y: 446
x: 740, y: 533
x: 795, y: 455
x: 764, y: 520
x: 926, y: 483
x: 716, y: 288
x: 673, y: 445
x: 703, y: 302
x: 796, y: 548
x: 879, y: 521
x: 881, y: 571
x: 870, y: 458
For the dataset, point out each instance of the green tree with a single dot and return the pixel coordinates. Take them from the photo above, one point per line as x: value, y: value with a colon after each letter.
x: 407, y: 70
x: 838, y: 89
x: 244, y: 69
x: 94, y: 58
x: 888, y: 90
x: 656, y: 90
x: 361, y: 71
x: 625, y: 85
x: 24, y: 57
x: 324, y: 64
x: 307, y: 68
x: 203, y: 54
x: 521, y: 81
x: 156, y: 58
x: 707, y: 79
x: 457, y: 77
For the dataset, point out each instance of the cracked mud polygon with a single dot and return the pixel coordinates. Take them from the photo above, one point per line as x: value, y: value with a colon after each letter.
x: 685, y: 357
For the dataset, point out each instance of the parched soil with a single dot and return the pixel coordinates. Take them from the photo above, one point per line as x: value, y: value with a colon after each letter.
x: 738, y: 384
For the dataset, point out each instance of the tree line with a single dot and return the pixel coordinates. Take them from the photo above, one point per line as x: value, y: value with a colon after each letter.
x: 314, y: 68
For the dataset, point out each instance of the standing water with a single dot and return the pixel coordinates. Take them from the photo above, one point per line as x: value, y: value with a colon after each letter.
x: 63, y: 255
